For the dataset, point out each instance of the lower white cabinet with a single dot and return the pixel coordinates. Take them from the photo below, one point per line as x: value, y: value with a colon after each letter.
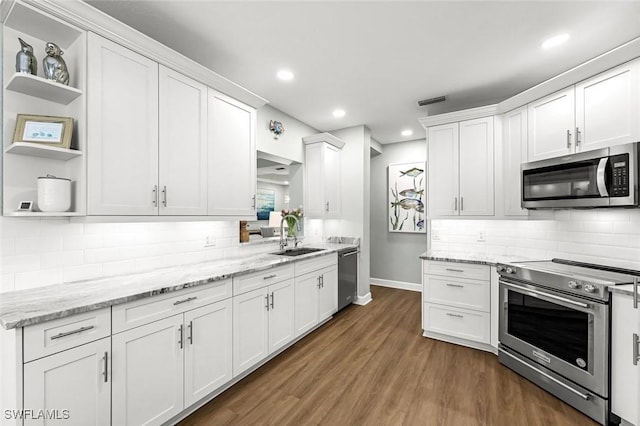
x: 316, y: 298
x: 624, y: 375
x: 163, y: 367
x: 262, y: 323
x: 74, y: 385
x: 457, y: 301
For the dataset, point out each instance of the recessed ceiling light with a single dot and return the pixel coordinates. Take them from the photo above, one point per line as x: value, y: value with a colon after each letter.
x: 407, y: 132
x: 285, y: 75
x: 554, y: 41
x: 337, y: 113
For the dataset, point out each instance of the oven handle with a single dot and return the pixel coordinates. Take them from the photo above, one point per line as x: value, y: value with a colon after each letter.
x: 553, y: 379
x: 550, y: 296
x: 602, y: 185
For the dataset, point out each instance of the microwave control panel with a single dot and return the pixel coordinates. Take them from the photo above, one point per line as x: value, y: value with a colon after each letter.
x: 620, y: 175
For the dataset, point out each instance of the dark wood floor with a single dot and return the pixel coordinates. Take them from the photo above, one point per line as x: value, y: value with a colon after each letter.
x: 371, y: 366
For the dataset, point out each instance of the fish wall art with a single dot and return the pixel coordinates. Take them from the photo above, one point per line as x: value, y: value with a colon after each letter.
x: 407, y: 197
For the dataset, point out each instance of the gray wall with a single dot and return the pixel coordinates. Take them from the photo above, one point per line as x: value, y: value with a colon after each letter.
x: 394, y: 256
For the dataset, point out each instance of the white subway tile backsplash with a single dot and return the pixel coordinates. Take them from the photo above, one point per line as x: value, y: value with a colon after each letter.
x: 7, y: 282
x: 82, y: 272
x: 81, y: 242
x: 7, y: 247
x: 34, y: 245
x: 24, y: 280
x: 61, y: 259
x: 21, y: 263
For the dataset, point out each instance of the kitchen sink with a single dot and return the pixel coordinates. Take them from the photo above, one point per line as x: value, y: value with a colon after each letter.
x: 298, y: 251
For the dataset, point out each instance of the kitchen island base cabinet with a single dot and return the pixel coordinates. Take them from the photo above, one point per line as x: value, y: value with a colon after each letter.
x: 624, y: 374
x: 73, y: 385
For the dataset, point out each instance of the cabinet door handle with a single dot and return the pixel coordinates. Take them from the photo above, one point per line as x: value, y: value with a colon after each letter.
x: 454, y: 315
x: 318, y: 282
x: 568, y: 138
x: 268, y: 277
x: 635, y: 292
x: 154, y: 196
x: 461, y: 203
x: 578, y: 137
x: 455, y: 204
x: 253, y: 202
x: 105, y: 371
x: 455, y: 285
x: 69, y: 333
x: 636, y: 351
x: 272, y: 300
x: 164, y: 195
x: 327, y: 207
x: 188, y: 299
x: 455, y: 270
x: 267, y: 305
x: 190, y: 335
x: 322, y: 280
x: 180, y: 330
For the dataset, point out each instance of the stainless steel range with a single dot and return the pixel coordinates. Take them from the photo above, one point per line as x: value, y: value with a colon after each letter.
x: 555, y: 329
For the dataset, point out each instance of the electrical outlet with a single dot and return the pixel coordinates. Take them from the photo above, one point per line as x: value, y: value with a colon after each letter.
x: 210, y: 241
x: 481, y: 237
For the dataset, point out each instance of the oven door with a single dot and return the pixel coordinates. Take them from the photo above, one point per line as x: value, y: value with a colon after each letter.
x: 565, y: 334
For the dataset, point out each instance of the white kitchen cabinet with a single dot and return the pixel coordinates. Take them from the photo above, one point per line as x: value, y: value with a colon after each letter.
x: 461, y: 179
x: 316, y: 298
x: 596, y: 113
x: 457, y: 303
x: 231, y: 157
x: 183, y: 145
x: 123, y: 129
x: 262, y: 323
x: 208, y: 362
x: 75, y: 384
x: 322, y: 176
x: 624, y: 374
x: 514, y: 153
x: 148, y: 373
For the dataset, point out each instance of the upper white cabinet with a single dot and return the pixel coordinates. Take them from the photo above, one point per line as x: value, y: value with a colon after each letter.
x: 183, y: 145
x: 514, y: 153
x: 231, y: 157
x: 460, y: 164
x: 25, y: 161
x: 322, y: 176
x: 123, y: 130
x: 596, y: 113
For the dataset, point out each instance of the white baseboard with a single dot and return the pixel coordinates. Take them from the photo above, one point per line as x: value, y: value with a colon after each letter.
x: 363, y: 300
x: 396, y: 284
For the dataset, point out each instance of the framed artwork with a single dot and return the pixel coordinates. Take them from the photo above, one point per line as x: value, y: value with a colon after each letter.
x: 265, y: 203
x: 407, y: 195
x: 51, y: 131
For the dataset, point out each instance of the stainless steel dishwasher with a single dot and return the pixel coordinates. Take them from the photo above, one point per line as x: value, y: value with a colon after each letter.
x: 347, y: 276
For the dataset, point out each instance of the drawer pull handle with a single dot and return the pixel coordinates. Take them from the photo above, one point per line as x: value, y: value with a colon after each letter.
x: 268, y: 277
x: 455, y: 270
x: 69, y: 333
x: 455, y: 285
x: 188, y: 299
x: 454, y: 315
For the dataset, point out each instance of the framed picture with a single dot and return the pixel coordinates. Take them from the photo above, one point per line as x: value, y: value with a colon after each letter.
x: 407, y: 195
x: 51, y: 131
x: 265, y: 204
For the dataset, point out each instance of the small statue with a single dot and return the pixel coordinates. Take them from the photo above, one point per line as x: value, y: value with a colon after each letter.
x: 25, y: 60
x: 54, y: 66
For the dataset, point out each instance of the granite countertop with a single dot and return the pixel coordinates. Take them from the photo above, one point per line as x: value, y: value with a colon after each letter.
x: 470, y: 257
x: 32, y: 306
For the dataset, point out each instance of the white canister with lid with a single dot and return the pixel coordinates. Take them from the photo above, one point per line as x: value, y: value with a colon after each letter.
x: 54, y: 194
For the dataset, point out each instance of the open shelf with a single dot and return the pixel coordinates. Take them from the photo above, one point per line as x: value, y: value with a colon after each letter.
x: 42, y: 214
x: 42, y: 88
x: 44, y: 151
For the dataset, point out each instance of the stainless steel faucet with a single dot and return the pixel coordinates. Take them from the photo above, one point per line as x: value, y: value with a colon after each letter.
x: 283, y: 240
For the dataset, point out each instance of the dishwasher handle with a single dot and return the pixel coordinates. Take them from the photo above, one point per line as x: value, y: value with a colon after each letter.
x: 351, y: 253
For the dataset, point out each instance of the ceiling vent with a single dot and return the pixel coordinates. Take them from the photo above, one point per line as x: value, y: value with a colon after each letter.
x: 425, y: 102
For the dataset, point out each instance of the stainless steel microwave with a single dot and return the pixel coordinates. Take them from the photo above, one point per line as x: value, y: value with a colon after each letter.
x: 601, y: 178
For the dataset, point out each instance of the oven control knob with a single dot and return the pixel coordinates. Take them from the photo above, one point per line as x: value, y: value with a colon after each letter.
x: 511, y: 270
x: 500, y: 268
x: 590, y: 288
x: 574, y: 285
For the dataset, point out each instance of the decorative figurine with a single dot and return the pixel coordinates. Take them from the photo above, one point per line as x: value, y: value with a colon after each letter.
x: 276, y: 128
x: 25, y: 60
x: 55, y: 67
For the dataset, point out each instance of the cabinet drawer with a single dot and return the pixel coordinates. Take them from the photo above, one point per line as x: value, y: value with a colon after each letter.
x: 255, y: 280
x: 462, y: 323
x: 58, y: 335
x: 310, y: 265
x: 460, y: 270
x: 463, y: 293
x: 144, y: 311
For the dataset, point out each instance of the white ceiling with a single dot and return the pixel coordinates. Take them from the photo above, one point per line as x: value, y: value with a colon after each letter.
x: 377, y: 59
